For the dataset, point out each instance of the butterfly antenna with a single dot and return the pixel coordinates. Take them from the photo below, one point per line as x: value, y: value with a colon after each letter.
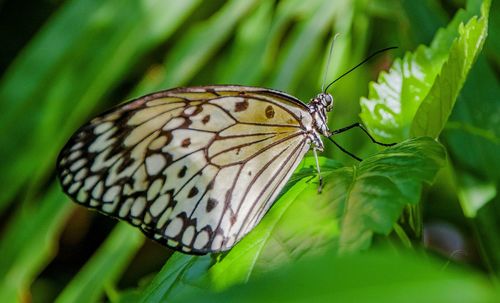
x: 328, y: 62
x: 362, y: 62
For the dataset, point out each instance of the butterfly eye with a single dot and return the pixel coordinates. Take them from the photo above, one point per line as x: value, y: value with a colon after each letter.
x: 329, y: 105
x: 327, y: 101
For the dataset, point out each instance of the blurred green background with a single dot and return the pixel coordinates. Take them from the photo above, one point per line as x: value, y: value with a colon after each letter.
x: 62, y: 62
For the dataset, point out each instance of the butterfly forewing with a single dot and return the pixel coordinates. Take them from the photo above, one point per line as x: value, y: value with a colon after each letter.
x: 194, y: 168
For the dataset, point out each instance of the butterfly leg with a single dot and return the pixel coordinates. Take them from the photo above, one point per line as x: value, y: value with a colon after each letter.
x: 345, y: 150
x: 343, y: 129
x: 320, y: 187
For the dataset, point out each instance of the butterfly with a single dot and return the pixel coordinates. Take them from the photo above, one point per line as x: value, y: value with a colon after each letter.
x: 194, y: 168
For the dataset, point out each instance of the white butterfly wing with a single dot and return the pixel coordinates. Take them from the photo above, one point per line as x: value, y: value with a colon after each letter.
x: 194, y: 168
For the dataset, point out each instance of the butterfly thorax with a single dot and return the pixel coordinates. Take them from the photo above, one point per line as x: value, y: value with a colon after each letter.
x: 318, y: 108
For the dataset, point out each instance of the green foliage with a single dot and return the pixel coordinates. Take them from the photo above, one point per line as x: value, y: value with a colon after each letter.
x: 442, y: 96
x: 382, y: 185
x: 34, y: 229
x: 105, y: 267
x: 374, y: 277
x: 355, y: 203
x: 91, y: 54
x: 411, y: 99
x: 51, y: 88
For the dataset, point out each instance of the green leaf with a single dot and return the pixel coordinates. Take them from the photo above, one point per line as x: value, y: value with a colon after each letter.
x: 104, y: 267
x: 436, y: 108
x: 379, y: 276
x: 381, y: 186
x: 394, y: 102
x: 181, y: 273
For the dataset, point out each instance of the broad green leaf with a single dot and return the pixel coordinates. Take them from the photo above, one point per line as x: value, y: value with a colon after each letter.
x: 382, y: 185
x: 435, y: 109
x: 31, y: 230
x: 104, y: 267
x: 181, y: 272
x: 380, y: 276
x: 393, y: 102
